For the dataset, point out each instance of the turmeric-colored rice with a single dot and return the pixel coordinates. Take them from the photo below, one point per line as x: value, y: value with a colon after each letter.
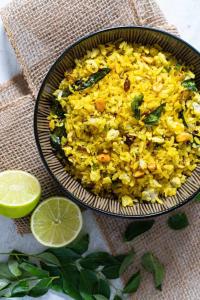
x: 109, y: 145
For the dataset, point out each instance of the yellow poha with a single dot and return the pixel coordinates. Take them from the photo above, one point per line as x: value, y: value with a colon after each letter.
x: 126, y: 120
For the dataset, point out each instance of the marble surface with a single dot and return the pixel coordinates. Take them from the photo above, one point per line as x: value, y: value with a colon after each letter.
x: 182, y: 13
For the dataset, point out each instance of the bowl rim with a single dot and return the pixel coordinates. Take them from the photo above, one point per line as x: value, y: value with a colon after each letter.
x: 36, y: 135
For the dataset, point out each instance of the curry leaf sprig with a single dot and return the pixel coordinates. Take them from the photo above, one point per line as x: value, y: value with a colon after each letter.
x: 68, y: 270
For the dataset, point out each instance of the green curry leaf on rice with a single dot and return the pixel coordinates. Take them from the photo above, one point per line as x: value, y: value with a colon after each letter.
x: 154, y: 116
x: 182, y: 116
x: 190, y: 85
x: 56, y: 108
x: 135, y: 105
x: 80, y: 84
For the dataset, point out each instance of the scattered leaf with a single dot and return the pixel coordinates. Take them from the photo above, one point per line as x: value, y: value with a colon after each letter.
x: 197, y: 197
x: 178, y: 221
x: 133, y: 284
x: 13, y: 266
x: 152, y: 264
x: 80, y: 245
x: 136, y: 228
x: 126, y: 262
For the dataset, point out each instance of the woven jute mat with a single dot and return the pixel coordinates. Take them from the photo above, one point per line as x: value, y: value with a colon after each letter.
x: 39, y: 30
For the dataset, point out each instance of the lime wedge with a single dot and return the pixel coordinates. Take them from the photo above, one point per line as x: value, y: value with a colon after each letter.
x: 56, y: 222
x: 19, y: 193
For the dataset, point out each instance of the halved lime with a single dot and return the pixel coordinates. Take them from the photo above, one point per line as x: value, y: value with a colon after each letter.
x: 56, y: 222
x: 19, y: 193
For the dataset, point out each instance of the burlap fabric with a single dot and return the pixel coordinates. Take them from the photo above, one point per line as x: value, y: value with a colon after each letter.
x: 39, y: 31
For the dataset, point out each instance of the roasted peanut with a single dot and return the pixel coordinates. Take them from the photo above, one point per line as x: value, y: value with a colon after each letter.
x: 138, y: 174
x: 152, y: 167
x: 148, y: 60
x: 104, y: 158
x: 100, y: 105
x: 183, y: 137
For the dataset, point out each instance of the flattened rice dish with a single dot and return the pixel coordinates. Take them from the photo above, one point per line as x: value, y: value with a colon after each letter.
x: 125, y: 121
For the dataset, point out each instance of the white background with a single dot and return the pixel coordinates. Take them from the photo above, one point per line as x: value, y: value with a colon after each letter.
x: 182, y: 13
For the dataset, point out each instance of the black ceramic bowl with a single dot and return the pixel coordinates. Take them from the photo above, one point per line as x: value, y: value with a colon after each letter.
x: 182, y: 50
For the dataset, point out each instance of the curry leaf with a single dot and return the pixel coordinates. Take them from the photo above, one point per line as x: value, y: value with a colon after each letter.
x: 80, y: 84
x: 4, y: 283
x: 154, y: 116
x: 126, y: 262
x: 136, y: 228
x: 100, y: 297
x: 117, y: 297
x: 13, y: 266
x: 56, y: 108
x: 190, y: 85
x: 41, y: 287
x: 133, y: 284
x: 48, y: 258
x: 88, y: 282
x: 92, y: 79
x: 103, y: 288
x: 71, y: 281
x: 112, y: 268
x: 64, y: 255
x: 20, y: 289
x: 56, y: 136
x: 86, y: 296
x: 5, y: 272
x: 151, y: 263
x: 33, y: 270
x: 111, y: 271
x: 135, y: 105
x: 182, y: 116
x: 178, y: 221
x: 55, y: 271
x: 96, y: 259
x: 80, y: 245
x: 197, y: 197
